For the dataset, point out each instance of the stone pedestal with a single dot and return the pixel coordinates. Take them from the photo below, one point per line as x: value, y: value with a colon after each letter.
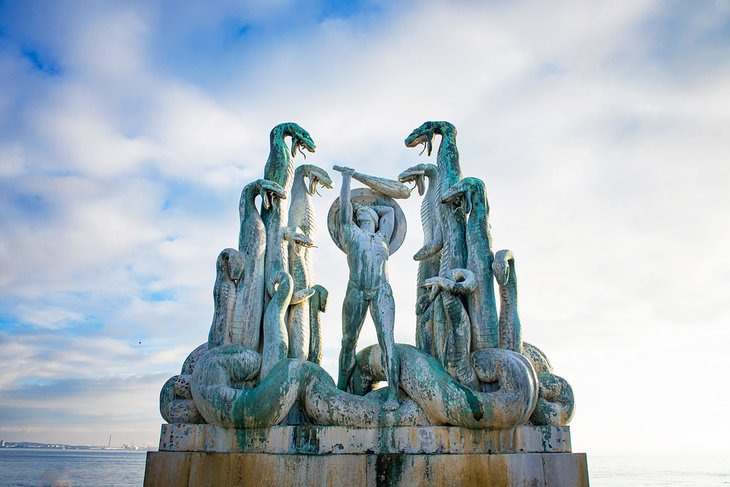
x: 204, y: 455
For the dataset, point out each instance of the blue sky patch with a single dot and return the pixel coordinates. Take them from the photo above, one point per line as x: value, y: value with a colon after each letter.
x: 40, y: 63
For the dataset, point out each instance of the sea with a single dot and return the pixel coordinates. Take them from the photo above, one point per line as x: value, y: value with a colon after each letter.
x: 31, y: 467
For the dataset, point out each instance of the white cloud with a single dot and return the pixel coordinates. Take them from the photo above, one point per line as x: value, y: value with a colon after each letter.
x: 604, y: 167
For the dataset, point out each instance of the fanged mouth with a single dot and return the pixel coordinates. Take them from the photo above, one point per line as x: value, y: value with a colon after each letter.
x: 427, y: 147
x: 313, y: 186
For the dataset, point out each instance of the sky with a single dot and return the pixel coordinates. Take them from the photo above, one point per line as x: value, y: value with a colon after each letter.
x: 601, y: 131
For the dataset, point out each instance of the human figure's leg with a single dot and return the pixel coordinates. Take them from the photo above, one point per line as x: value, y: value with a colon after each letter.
x: 382, y: 309
x: 353, y: 316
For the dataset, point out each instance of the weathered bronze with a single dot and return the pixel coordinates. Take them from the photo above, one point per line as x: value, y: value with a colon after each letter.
x: 260, y: 365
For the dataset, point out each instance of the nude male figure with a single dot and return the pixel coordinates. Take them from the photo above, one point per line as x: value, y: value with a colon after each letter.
x: 365, y: 241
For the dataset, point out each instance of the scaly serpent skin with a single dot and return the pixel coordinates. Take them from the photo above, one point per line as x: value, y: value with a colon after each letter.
x: 303, y: 220
x: 280, y: 169
x: 453, y: 228
x: 422, y: 175
x: 317, y: 306
x: 456, y: 283
x: 434, y: 397
x: 276, y: 338
x: 471, y: 195
x: 446, y: 402
x: 510, y: 329
x: 238, y: 289
x: 226, y: 328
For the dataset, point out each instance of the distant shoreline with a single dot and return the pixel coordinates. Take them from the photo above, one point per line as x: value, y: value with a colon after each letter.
x: 61, y: 446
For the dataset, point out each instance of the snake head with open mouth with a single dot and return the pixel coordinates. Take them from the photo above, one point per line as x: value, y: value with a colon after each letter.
x: 423, y: 135
x: 316, y: 176
x: 416, y: 174
x: 299, y: 240
x: 465, y: 193
x: 300, y: 140
x: 268, y: 190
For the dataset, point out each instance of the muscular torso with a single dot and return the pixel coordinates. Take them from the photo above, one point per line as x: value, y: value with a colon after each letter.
x: 367, y: 256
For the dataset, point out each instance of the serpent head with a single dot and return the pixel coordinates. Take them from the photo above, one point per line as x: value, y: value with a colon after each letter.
x: 300, y: 139
x: 501, y: 266
x: 466, y: 192
x: 417, y: 174
x: 299, y: 240
x: 424, y: 134
x: 269, y: 189
x: 233, y: 263
x: 322, y: 295
x: 261, y: 187
x: 316, y: 176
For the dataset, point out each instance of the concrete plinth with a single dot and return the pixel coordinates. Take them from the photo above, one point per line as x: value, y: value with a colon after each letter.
x: 320, y: 440
x: 391, y: 469
x: 205, y: 455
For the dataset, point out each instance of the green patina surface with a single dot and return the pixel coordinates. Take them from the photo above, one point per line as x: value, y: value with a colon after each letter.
x: 468, y: 370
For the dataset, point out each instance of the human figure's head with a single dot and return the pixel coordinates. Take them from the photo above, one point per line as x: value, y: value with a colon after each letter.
x: 365, y: 217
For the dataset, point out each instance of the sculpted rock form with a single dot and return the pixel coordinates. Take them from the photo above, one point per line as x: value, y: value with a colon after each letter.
x: 260, y: 365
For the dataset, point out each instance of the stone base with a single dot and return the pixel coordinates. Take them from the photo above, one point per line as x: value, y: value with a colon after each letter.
x: 198, y: 469
x: 319, y: 440
x: 206, y: 455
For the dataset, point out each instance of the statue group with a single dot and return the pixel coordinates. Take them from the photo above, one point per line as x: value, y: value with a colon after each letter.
x: 261, y: 364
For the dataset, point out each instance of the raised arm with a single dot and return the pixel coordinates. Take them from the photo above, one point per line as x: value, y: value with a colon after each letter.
x: 345, y: 203
x: 387, y: 220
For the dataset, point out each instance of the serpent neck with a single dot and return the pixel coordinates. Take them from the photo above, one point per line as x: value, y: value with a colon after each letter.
x: 429, y: 206
x: 279, y: 166
x: 478, y: 222
x: 300, y: 207
x: 447, y: 158
x: 510, y: 335
x: 247, y: 212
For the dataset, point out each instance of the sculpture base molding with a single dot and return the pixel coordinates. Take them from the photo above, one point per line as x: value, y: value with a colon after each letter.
x: 325, y: 440
x: 203, y: 454
x: 170, y: 469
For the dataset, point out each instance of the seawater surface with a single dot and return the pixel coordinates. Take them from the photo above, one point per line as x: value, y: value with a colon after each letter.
x: 32, y: 467
x: 21, y: 467
x: 687, y: 469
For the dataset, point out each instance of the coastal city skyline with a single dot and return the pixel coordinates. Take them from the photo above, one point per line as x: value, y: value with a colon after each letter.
x: 129, y: 130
